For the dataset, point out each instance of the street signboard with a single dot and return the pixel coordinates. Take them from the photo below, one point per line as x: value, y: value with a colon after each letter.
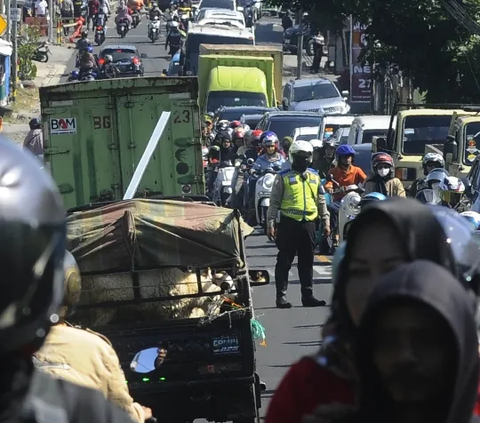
x: 16, y: 14
x: 3, y: 25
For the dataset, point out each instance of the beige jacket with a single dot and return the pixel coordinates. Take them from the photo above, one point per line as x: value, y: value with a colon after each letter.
x: 88, y: 359
x: 394, y: 187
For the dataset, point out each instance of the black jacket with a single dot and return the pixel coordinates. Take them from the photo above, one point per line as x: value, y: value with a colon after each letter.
x: 435, y: 287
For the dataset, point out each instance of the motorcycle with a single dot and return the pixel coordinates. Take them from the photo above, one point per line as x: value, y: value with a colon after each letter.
x: 135, y: 14
x: 222, y: 188
x: 263, y: 188
x: 88, y: 75
x: 349, y: 209
x: 42, y: 52
x: 122, y: 28
x: 154, y: 29
x: 99, y: 35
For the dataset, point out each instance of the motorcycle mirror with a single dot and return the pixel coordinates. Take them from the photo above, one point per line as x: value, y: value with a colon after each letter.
x: 259, y: 277
x: 143, y: 55
x: 148, y: 360
x: 250, y: 162
x: 329, y: 177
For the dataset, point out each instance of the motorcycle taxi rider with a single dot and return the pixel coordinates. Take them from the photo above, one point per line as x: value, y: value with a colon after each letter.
x: 82, y: 356
x: 383, y: 179
x: 345, y: 174
x: 31, y: 296
x: 326, y: 158
x: 123, y: 15
x: 174, y: 39
x: 110, y: 70
x: 83, y: 43
x: 219, y: 154
x: 429, y: 162
x: 154, y: 11
x: 87, y: 62
x: 299, y: 197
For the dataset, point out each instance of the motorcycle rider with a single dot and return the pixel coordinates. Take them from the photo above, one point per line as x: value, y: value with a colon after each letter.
x: 123, y: 16
x: 83, y: 43
x: 298, y: 195
x: 93, y: 8
x: 174, y: 39
x: 84, y: 357
x: 287, y: 21
x: 34, y: 139
x: 286, y: 144
x: 87, y: 62
x: 271, y: 156
x: 344, y: 174
x: 326, y: 160
x: 219, y: 154
x: 154, y: 11
x: 429, y: 162
x: 110, y: 70
x: 383, y: 179
x: 31, y: 296
x: 317, y: 146
x: 238, y: 138
x: 451, y: 191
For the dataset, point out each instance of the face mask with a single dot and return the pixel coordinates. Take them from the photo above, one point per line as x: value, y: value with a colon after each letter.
x: 383, y: 172
x: 300, y: 164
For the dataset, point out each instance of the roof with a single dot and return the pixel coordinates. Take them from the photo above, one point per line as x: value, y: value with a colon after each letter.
x: 211, y: 13
x: 241, y: 108
x: 220, y: 30
x: 429, y: 112
x: 119, y: 47
x: 292, y: 113
x: 373, y: 121
x: 469, y: 119
x: 339, y: 119
x: 309, y: 81
x: 306, y: 130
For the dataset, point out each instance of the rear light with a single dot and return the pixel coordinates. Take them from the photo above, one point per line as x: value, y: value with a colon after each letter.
x: 406, y: 173
x: 136, y: 61
x: 99, y: 28
x: 101, y: 61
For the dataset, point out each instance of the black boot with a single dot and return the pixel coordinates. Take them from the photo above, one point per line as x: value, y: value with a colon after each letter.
x: 311, y: 301
x: 283, y: 303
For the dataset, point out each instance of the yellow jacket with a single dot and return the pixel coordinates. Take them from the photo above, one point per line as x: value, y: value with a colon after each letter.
x: 88, y: 359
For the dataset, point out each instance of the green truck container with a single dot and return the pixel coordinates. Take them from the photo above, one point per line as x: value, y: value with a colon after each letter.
x: 275, y: 53
x: 232, y: 75
x: 95, y: 134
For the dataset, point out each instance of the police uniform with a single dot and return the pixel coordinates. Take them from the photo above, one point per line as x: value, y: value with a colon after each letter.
x: 87, y: 358
x: 300, y: 200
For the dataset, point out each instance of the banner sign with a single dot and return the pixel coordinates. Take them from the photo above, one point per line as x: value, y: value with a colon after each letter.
x: 360, y: 75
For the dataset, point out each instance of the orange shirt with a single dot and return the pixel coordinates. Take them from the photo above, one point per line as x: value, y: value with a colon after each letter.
x: 353, y: 176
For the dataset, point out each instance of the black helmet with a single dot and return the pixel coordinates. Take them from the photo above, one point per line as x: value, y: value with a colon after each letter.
x: 32, y: 289
x: 84, y: 33
x: 34, y: 124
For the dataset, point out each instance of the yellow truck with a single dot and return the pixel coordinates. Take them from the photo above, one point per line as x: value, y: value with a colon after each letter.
x: 239, y: 75
x: 416, y: 127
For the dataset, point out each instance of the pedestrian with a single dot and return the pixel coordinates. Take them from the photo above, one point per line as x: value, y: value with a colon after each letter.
x: 318, y: 45
x: 383, y: 236
x: 32, y: 226
x: 66, y: 11
x: 416, y: 351
x: 93, y: 8
x: 41, y: 7
x: 287, y: 21
x: 33, y: 142
x: 297, y: 195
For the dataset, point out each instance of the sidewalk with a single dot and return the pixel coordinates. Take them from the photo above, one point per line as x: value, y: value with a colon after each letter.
x: 290, y: 68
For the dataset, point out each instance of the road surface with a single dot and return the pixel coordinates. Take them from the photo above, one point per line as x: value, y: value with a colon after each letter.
x: 290, y: 333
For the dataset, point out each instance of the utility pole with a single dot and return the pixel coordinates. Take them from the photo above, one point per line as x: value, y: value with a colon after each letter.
x: 51, y: 14
x: 14, y: 53
x: 300, y: 45
x: 9, y: 22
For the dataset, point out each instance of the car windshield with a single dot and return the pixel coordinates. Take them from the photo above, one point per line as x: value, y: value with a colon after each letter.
x: 315, y: 92
x: 218, y: 99
x: 472, y: 137
x: 306, y: 137
x: 218, y: 4
x: 232, y: 114
x: 331, y: 129
x: 252, y: 120
x: 120, y: 55
x: 368, y: 134
x: 422, y: 130
x: 285, y: 126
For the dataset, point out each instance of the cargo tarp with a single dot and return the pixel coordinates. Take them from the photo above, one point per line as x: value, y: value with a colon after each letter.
x: 148, y: 234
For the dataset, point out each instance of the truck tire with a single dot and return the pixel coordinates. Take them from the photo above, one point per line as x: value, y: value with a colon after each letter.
x: 309, y: 48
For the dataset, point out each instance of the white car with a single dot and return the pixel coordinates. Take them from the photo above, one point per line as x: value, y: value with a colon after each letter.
x: 220, y: 17
x: 305, y: 133
x: 333, y: 123
x: 217, y: 4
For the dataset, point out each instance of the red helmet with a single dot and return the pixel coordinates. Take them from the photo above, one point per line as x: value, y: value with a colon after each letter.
x: 235, y: 124
x: 256, y: 137
x: 381, y: 158
x: 238, y: 132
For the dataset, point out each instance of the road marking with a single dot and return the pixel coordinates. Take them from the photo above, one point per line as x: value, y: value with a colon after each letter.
x: 323, y: 259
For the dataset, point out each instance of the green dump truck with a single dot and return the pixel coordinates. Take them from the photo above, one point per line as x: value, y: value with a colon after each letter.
x: 95, y: 134
x: 230, y: 80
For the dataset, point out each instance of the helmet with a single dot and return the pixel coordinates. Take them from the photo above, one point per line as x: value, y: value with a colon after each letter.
x: 337, y: 261
x: 34, y: 124
x: 463, y: 241
x: 345, y: 150
x: 84, y: 34
x: 451, y: 190
x: 301, y: 148
x: 75, y: 74
x: 238, y: 133
x: 316, y: 144
x: 436, y: 176
x: 235, y: 124
x: 33, y: 291
x: 72, y: 285
x: 428, y: 196
x: 269, y: 138
x: 246, y: 127
x: 226, y: 135
x: 222, y: 125
x: 248, y: 136
x: 108, y: 58
x: 154, y: 5
x: 90, y: 49
x: 473, y: 218
x: 372, y: 197
x: 174, y: 24
x: 381, y: 158
x: 434, y: 158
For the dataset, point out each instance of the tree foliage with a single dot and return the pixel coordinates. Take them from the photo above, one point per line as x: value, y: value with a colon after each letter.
x: 429, y: 44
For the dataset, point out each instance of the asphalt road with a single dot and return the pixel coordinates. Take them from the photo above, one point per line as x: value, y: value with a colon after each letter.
x: 291, y: 333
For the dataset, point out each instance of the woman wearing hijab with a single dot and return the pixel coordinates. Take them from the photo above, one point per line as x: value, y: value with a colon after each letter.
x: 382, y: 237
x: 416, y: 350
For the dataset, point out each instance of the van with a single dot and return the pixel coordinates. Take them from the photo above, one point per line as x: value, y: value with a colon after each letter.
x: 211, y: 34
x: 332, y: 124
x: 364, y: 128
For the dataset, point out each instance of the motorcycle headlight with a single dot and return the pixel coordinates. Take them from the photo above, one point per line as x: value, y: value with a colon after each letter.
x: 268, y: 182
x: 352, y: 204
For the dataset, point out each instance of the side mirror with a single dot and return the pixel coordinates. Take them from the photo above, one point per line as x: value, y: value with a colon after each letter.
x: 345, y: 93
x: 259, y: 277
x: 329, y: 177
x: 143, y: 55
x: 148, y: 360
x: 380, y: 144
x: 450, y: 149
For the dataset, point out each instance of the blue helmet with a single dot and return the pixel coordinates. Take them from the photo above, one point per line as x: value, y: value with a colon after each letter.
x: 90, y: 49
x: 345, y: 150
x: 372, y: 197
x: 75, y: 74
x: 269, y: 138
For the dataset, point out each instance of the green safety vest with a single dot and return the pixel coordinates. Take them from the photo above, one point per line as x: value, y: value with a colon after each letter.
x: 300, y: 196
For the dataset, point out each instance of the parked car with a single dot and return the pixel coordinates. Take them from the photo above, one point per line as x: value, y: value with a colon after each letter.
x: 290, y: 39
x: 236, y: 113
x: 126, y: 57
x: 283, y: 123
x: 305, y: 133
x: 314, y: 95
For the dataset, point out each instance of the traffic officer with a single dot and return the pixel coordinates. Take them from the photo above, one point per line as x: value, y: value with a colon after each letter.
x: 298, y: 194
x: 32, y: 225
x: 85, y: 357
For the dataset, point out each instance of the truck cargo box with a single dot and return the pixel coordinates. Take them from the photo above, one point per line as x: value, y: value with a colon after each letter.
x: 96, y: 132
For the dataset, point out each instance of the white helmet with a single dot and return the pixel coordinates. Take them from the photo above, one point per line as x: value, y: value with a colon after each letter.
x: 451, y: 190
x: 301, y: 147
x: 316, y: 144
x: 174, y: 24
x: 434, y: 158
